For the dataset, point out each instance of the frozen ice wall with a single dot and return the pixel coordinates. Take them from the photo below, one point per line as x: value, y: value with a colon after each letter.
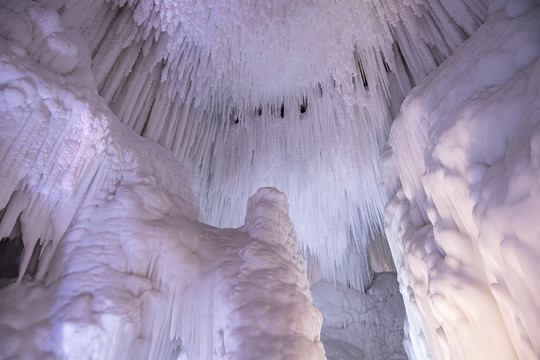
x: 124, y: 270
x: 463, y: 221
x: 360, y: 325
x: 296, y: 95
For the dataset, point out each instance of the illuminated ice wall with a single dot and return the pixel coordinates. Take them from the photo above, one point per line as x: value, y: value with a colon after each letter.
x: 115, y: 264
x: 403, y: 133
x: 298, y: 95
x: 462, y: 221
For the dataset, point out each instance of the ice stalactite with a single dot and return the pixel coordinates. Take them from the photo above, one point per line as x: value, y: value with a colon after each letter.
x: 56, y: 148
x: 126, y: 271
x: 45, y: 169
x: 461, y: 224
x: 223, y: 85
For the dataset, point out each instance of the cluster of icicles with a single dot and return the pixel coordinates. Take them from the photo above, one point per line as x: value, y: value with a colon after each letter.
x: 295, y: 95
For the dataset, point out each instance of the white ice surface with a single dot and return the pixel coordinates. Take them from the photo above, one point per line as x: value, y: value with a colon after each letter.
x: 125, y: 270
x: 208, y: 79
x: 465, y: 150
x: 358, y: 326
x: 463, y: 223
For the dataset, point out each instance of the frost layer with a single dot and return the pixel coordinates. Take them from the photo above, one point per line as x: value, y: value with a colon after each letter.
x: 463, y: 222
x: 124, y: 270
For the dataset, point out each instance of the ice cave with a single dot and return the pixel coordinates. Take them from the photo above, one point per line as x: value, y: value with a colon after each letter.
x: 286, y: 179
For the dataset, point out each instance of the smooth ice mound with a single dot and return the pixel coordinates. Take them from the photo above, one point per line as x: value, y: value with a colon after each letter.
x: 124, y: 269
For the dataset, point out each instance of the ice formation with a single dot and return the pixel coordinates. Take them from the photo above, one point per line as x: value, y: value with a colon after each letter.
x: 466, y: 151
x: 124, y: 270
x: 296, y: 95
x: 362, y: 325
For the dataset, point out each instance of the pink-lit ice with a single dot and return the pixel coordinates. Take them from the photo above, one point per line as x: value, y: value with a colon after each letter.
x: 124, y: 269
x: 462, y: 225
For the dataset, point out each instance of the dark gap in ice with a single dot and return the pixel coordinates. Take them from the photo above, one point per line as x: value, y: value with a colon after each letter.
x: 282, y: 111
x: 233, y: 117
x: 143, y: 131
x: 11, y: 253
x: 34, y: 260
x: 303, y: 105
x: 360, y: 68
x: 407, y: 70
x: 386, y: 66
x: 363, y: 75
x: 10, y: 256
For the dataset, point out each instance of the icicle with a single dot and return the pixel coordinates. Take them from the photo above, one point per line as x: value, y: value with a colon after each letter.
x: 211, y: 61
x: 18, y: 202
